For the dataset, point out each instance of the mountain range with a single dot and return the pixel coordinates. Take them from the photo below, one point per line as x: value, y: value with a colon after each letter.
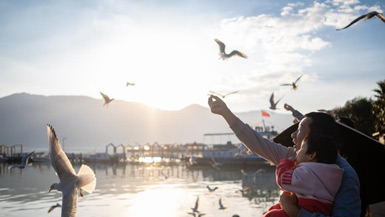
x: 83, y: 124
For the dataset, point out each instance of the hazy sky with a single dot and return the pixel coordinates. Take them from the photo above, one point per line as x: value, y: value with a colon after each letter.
x: 167, y: 48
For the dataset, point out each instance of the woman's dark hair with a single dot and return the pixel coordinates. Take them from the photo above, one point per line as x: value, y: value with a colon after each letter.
x: 321, y: 123
x: 324, y: 146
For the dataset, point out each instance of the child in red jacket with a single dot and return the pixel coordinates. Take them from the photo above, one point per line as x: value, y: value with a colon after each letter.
x: 313, y: 176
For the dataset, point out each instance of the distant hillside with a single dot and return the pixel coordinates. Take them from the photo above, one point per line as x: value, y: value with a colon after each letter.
x: 86, y: 124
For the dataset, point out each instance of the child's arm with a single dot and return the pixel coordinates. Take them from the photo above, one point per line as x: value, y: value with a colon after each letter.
x: 293, y: 179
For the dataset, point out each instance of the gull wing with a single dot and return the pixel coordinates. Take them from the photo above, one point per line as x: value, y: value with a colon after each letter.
x: 196, y: 204
x: 238, y: 53
x: 286, y: 84
x: 354, y: 21
x: 69, y: 203
x: 272, y: 100
x: 276, y: 103
x: 231, y: 93
x: 26, y: 158
x: 381, y: 16
x: 298, y: 79
x: 58, y: 158
x: 221, y: 46
x: 105, y: 97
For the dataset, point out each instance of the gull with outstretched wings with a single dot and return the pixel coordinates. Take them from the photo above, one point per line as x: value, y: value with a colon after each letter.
x: 294, y: 84
x: 273, y: 105
x: 224, y: 55
x: 366, y: 17
x: 224, y: 95
x: 106, y: 98
x: 70, y: 182
x: 24, y: 161
x: 211, y: 189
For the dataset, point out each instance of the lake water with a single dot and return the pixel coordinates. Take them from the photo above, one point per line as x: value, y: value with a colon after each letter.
x: 142, y: 190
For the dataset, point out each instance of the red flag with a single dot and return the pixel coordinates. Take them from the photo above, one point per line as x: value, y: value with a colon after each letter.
x: 265, y: 114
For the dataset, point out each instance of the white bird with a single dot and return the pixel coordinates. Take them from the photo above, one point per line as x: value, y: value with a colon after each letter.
x: 53, y: 207
x: 24, y: 161
x: 130, y: 84
x: 106, y: 98
x: 195, y: 209
x: 221, y: 205
x: 211, y: 189
x: 294, y: 84
x: 224, y: 55
x: 215, y: 164
x: 223, y: 95
x: 70, y: 182
x: 366, y: 17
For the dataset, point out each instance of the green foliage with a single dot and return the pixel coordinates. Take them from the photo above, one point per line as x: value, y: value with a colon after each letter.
x: 359, y: 111
x: 378, y: 108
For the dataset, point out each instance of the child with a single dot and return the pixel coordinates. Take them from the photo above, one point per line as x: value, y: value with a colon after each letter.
x: 313, y: 176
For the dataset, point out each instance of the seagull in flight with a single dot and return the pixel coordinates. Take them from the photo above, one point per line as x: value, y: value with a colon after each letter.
x: 70, y: 182
x: 195, y: 209
x: 224, y: 95
x: 224, y: 55
x: 211, y: 189
x: 294, y: 84
x: 366, y: 17
x: 196, y: 214
x: 130, y: 84
x: 53, y: 207
x: 24, y: 161
x: 273, y: 105
x: 221, y: 205
x: 106, y: 98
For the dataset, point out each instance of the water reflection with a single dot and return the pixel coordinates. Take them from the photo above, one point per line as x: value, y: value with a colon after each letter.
x: 143, y: 190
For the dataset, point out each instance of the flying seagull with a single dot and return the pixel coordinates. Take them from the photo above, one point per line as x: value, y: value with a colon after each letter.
x: 224, y: 55
x: 195, y: 209
x: 366, y: 17
x: 53, y: 207
x: 196, y: 214
x: 223, y: 95
x: 211, y: 189
x: 273, y: 105
x: 106, y: 98
x: 294, y: 84
x: 24, y: 161
x: 70, y: 182
x: 221, y: 205
x: 130, y: 84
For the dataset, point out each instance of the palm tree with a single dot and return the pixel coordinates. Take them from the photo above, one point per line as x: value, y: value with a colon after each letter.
x: 378, y: 108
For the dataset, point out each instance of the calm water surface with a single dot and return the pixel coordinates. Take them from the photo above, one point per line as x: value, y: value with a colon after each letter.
x: 142, y: 191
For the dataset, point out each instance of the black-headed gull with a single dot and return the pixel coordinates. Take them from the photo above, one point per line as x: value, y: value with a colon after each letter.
x: 130, y: 84
x: 195, y: 209
x: 273, y: 104
x: 221, y: 205
x: 294, y: 84
x: 24, y: 161
x: 211, y: 189
x: 106, y: 98
x: 70, y: 182
x: 224, y: 95
x: 366, y: 17
x: 224, y: 55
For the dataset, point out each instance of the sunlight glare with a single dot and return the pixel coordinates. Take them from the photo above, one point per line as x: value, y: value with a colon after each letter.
x: 162, y: 202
